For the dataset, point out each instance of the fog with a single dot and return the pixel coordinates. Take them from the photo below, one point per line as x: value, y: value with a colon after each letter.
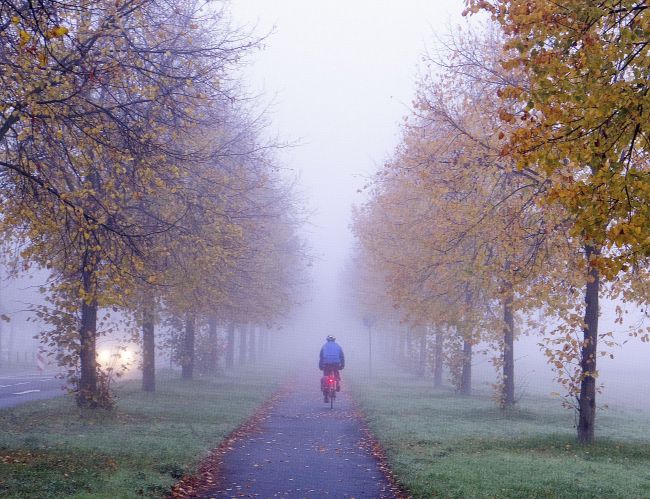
x: 337, y: 78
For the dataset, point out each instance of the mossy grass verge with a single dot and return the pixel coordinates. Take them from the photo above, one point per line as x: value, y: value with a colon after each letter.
x: 52, y: 449
x: 440, y: 444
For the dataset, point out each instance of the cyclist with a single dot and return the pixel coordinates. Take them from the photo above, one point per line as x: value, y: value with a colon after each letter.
x: 331, y: 360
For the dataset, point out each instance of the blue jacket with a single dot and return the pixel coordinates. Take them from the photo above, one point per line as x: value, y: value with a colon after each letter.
x: 331, y: 353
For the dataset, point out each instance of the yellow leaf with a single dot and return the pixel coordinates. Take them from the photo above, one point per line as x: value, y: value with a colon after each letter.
x: 58, y: 32
x: 24, y: 37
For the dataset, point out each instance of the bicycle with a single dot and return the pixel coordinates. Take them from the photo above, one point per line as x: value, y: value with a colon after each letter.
x: 330, y: 389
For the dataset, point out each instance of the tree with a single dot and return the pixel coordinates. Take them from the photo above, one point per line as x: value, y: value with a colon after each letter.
x: 240, y: 260
x: 99, y: 100
x: 460, y: 228
x: 584, y: 121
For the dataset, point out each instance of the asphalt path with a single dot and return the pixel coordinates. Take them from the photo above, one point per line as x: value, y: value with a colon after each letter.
x: 304, y: 449
x: 16, y: 389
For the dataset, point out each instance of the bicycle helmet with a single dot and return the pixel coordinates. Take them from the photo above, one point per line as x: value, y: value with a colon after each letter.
x: 330, y: 338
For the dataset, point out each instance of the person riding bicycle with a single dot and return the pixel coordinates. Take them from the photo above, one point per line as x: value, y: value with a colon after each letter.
x: 331, y: 360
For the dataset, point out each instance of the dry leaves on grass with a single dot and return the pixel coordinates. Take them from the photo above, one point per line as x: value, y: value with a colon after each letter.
x: 209, y: 474
x: 370, y: 444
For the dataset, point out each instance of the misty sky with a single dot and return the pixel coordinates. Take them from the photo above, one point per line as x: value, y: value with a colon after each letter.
x: 340, y: 75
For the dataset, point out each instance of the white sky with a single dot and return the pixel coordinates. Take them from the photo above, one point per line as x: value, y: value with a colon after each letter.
x: 340, y: 75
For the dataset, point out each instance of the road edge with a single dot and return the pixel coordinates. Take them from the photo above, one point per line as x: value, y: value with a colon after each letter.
x: 209, y: 473
x: 374, y: 447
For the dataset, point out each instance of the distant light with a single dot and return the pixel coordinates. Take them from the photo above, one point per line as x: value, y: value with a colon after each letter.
x: 127, y: 356
x: 104, y: 357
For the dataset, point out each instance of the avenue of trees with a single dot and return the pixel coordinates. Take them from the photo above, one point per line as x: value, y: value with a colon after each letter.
x: 519, y: 195
x: 134, y: 168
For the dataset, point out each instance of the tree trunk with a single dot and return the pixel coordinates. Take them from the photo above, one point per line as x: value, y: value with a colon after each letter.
x: 148, y: 347
x: 508, y: 395
x: 213, y: 339
x: 88, y: 395
x: 370, y: 351
x: 230, y: 346
x: 243, y: 347
x: 466, y: 374
x: 252, y: 345
x: 409, y: 348
x: 389, y: 342
x: 187, y: 365
x: 587, y: 396
x: 422, y: 368
x: 437, y: 360
x: 1, y: 328
x: 261, y: 341
x: 267, y: 341
x: 88, y: 389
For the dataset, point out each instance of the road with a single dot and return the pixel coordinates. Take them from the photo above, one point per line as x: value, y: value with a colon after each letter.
x: 16, y: 389
x: 303, y: 449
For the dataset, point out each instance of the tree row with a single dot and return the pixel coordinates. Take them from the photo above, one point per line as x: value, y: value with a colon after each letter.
x: 518, y: 196
x: 134, y: 169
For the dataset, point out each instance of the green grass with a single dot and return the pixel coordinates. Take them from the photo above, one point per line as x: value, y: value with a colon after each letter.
x: 52, y: 449
x: 443, y: 445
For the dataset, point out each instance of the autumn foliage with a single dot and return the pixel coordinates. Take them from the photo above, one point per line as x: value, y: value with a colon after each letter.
x: 518, y: 196
x: 134, y: 170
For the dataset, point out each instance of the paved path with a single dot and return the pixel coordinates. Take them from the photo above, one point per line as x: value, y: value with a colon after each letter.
x: 17, y: 389
x: 304, y: 449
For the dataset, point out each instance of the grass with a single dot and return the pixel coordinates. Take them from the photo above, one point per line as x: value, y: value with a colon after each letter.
x: 52, y: 449
x: 443, y: 445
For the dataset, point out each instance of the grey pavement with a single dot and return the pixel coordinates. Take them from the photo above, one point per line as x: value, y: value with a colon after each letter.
x: 16, y: 389
x: 304, y: 449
